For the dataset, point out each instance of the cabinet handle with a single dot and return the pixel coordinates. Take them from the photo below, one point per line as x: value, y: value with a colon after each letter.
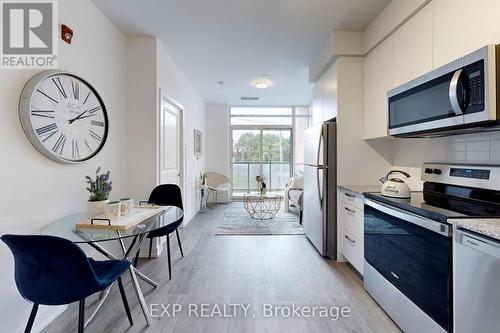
x: 349, y: 195
x: 350, y: 239
x: 350, y: 210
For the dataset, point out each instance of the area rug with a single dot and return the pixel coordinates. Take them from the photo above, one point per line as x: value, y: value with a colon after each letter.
x: 236, y: 221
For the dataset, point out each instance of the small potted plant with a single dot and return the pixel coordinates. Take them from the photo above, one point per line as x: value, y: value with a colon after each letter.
x: 261, y: 185
x: 99, y: 189
x: 203, y: 178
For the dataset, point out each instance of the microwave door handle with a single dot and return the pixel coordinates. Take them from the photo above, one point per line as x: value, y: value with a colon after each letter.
x: 453, y: 93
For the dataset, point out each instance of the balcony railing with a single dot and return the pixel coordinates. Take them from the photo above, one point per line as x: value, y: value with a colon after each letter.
x: 276, y: 175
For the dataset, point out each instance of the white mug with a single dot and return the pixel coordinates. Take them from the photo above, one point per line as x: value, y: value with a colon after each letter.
x: 126, y: 204
x: 113, y: 210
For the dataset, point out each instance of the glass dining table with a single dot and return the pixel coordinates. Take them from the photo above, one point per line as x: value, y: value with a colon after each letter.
x: 129, y: 242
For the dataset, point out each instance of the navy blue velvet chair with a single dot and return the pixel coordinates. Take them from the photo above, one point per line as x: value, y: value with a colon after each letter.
x: 55, y: 271
x: 165, y: 195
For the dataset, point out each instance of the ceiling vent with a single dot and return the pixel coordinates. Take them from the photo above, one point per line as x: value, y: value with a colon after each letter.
x: 249, y: 98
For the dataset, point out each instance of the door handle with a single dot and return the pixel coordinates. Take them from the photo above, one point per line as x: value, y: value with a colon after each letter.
x: 350, y: 239
x: 350, y: 210
x: 457, y: 106
x: 320, y: 195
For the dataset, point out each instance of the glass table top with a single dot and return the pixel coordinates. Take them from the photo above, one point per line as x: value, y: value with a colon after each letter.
x: 65, y: 227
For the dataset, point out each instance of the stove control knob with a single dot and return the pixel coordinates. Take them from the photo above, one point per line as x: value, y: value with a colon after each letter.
x: 428, y: 171
x: 437, y: 171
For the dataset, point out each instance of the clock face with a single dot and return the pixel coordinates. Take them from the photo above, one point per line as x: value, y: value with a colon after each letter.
x: 63, y: 116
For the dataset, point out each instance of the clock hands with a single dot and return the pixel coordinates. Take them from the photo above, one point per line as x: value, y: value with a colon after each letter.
x: 80, y: 116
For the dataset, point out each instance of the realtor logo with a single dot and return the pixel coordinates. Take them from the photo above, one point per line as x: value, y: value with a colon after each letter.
x: 29, y: 34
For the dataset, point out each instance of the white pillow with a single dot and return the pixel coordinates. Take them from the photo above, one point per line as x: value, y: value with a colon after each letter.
x: 298, y: 182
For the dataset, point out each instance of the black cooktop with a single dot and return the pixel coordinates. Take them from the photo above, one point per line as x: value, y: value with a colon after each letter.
x: 441, y: 202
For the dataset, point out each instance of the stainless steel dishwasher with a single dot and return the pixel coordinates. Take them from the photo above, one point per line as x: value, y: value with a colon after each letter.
x: 477, y: 283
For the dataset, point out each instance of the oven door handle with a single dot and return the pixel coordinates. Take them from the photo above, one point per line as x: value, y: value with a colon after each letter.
x: 434, y: 226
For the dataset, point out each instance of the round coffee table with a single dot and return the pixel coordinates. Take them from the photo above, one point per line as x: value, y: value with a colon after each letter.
x: 262, y: 206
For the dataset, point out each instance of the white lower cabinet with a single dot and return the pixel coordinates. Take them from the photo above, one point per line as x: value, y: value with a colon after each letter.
x: 353, y: 251
x: 350, y: 215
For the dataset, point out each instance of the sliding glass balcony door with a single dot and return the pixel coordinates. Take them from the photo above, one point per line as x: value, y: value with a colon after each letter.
x: 261, y: 151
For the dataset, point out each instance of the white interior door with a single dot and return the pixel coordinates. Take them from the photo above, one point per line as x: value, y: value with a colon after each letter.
x: 170, y: 143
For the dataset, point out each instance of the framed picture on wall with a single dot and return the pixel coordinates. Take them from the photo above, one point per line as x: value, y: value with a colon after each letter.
x: 197, y: 143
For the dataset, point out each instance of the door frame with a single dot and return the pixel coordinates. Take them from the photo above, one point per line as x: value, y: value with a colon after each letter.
x: 261, y: 129
x: 165, y: 98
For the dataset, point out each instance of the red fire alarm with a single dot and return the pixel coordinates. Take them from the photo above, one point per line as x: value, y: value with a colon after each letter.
x: 66, y: 33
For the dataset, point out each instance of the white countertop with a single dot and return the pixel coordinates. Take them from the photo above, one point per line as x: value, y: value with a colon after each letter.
x: 485, y: 226
x: 361, y: 188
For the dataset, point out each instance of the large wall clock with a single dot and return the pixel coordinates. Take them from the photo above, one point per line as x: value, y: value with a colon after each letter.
x: 63, y: 116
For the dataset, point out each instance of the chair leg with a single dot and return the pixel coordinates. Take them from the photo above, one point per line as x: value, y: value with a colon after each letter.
x: 150, y: 246
x: 179, y: 241
x: 168, y: 258
x: 125, y: 302
x: 136, y: 260
x: 81, y: 316
x: 31, y: 320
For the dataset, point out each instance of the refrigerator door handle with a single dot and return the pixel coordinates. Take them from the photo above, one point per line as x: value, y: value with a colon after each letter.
x: 319, y: 183
x: 319, y: 148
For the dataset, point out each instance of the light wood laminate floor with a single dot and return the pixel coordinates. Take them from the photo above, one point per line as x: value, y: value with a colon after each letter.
x: 255, y: 270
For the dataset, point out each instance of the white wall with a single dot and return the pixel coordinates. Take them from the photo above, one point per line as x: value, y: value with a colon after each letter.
x: 142, y: 116
x: 151, y: 69
x: 35, y: 190
x: 175, y: 84
x: 217, y: 138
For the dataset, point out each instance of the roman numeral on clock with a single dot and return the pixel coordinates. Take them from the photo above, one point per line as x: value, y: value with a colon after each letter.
x: 75, y: 85
x: 97, y: 123
x: 59, y: 145
x: 43, y: 93
x: 60, y: 87
x: 88, y: 146
x: 75, y: 153
x: 46, y: 129
x: 86, y: 98
x: 95, y: 136
x: 43, y: 113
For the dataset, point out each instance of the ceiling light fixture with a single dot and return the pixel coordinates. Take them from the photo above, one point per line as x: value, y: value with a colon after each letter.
x: 261, y: 83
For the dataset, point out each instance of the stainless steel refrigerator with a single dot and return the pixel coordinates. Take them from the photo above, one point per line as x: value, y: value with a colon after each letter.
x: 320, y: 187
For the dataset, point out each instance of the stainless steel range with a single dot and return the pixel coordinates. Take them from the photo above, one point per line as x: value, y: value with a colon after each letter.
x: 408, y: 243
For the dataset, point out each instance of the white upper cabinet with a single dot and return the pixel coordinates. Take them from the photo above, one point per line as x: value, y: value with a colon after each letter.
x: 413, y: 47
x: 317, y: 103
x: 330, y: 93
x: 461, y: 27
x: 378, y: 71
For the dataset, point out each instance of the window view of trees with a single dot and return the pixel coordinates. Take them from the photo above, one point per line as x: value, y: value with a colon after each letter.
x: 276, y: 158
x: 267, y: 131
x: 275, y: 147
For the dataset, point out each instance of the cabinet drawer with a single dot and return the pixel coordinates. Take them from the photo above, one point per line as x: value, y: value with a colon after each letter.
x: 351, y: 198
x: 353, y: 251
x: 352, y: 219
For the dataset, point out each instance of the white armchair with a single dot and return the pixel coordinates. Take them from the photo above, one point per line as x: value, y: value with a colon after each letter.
x: 218, y: 184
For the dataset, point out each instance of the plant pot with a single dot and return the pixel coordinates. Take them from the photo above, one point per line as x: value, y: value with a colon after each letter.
x: 95, y: 208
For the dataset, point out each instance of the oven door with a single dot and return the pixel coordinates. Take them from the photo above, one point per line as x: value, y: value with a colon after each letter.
x: 414, y: 254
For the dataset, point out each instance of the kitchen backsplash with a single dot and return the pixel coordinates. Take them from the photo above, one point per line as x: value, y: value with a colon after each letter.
x: 409, y: 154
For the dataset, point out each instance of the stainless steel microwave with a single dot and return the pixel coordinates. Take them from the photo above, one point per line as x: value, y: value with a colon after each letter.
x: 455, y: 98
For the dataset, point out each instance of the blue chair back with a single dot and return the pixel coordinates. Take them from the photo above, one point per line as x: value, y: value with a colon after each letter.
x: 166, y: 195
x: 51, y: 270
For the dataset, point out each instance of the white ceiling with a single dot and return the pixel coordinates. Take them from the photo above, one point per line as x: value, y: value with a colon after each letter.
x: 236, y: 41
